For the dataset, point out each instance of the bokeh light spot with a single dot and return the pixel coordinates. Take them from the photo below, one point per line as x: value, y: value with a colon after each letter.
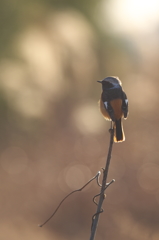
x: 74, y: 177
x: 87, y: 118
x: 132, y: 15
x: 77, y: 176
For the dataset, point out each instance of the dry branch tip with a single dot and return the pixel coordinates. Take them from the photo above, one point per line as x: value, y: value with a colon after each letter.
x: 77, y: 190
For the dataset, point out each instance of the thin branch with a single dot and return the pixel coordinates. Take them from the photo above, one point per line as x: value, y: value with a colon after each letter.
x: 80, y: 189
x: 107, y: 185
x: 99, y: 210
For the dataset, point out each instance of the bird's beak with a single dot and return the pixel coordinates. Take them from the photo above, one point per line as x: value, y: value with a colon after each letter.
x: 99, y: 81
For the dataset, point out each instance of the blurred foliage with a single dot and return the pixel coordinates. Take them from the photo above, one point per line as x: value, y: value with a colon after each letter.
x: 53, y: 138
x: 15, y: 15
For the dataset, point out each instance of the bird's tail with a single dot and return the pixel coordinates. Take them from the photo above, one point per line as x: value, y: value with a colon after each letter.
x: 118, y: 131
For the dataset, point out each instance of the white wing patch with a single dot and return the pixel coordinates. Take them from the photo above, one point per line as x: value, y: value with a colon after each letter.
x: 106, y: 105
x: 126, y: 101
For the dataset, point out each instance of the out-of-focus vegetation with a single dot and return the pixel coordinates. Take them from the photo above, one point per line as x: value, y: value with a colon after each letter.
x: 53, y: 138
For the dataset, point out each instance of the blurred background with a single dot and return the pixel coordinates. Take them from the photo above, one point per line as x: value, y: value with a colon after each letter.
x: 53, y: 138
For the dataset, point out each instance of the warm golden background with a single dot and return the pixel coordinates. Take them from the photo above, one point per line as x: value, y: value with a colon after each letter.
x: 52, y: 136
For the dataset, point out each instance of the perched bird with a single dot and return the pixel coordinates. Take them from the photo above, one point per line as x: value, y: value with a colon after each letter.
x: 114, y: 105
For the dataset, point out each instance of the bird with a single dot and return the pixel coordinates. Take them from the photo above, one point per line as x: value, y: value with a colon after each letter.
x: 113, y: 105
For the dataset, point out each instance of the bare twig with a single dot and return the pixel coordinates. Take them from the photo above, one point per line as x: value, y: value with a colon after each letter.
x: 107, y: 185
x: 80, y: 189
x: 101, y: 195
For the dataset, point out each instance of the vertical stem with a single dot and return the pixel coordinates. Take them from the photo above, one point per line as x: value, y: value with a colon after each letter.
x: 102, y: 196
